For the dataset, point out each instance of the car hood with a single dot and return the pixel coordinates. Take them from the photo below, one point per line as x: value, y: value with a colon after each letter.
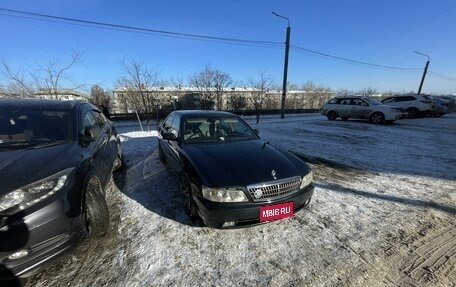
x: 21, y: 167
x: 240, y: 163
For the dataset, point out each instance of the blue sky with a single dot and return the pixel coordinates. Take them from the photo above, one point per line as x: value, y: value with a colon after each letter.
x: 380, y: 32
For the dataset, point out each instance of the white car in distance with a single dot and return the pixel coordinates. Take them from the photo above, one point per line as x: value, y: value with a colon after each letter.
x: 361, y: 107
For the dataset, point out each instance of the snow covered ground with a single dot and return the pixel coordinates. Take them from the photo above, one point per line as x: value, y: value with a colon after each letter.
x: 383, y: 214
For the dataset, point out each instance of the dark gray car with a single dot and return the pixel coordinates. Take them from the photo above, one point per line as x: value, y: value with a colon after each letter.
x: 56, y: 158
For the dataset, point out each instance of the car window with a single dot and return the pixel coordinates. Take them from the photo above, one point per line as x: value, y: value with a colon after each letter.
x: 389, y: 100
x: 359, y: 102
x: 345, y: 101
x: 24, y: 127
x: 333, y: 101
x: 99, y: 118
x: 216, y: 129
x: 175, y: 125
x: 89, y: 121
x: 168, y: 121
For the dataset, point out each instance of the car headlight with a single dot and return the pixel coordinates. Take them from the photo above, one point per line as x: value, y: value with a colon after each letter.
x: 33, y: 193
x: 224, y: 194
x: 306, y: 180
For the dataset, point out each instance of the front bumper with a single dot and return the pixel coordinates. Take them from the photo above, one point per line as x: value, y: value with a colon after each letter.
x: 46, y: 234
x: 214, y: 214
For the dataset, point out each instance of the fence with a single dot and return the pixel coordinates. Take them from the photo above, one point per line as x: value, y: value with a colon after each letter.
x: 163, y: 114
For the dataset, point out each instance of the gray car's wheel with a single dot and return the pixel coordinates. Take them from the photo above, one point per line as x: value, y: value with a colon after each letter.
x: 412, y: 112
x: 377, y: 118
x: 331, y: 115
x: 189, y: 204
x: 96, y: 209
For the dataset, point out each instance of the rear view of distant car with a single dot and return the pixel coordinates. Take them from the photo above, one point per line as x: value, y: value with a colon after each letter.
x: 362, y: 108
x: 443, y: 106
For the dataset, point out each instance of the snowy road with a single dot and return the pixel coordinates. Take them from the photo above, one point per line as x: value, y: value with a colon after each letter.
x: 383, y: 214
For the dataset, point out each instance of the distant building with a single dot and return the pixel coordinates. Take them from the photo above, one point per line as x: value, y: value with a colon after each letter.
x: 64, y: 95
x: 192, y: 98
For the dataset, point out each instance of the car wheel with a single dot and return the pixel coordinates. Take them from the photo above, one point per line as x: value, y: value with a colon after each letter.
x: 189, y: 204
x: 161, y: 155
x: 412, y: 112
x: 331, y: 115
x: 96, y: 209
x: 345, y: 118
x: 377, y: 118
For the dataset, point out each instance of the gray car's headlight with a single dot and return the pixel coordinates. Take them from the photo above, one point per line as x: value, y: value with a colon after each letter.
x: 33, y: 193
x: 306, y: 180
x: 224, y: 194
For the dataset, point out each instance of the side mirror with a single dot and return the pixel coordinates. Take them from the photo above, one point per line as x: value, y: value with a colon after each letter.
x: 169, y: 136
x: 90, y: 134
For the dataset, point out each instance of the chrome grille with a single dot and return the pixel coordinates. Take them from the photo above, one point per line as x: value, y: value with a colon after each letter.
x: 273, y: 189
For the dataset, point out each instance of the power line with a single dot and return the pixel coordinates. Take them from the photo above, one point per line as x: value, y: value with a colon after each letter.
x: 139, y: 29
x: 236, y: 41
x: 442, y: 76
x: 301, y: 49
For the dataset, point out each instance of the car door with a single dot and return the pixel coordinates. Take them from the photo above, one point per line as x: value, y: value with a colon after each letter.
x: 360, y: 108
x: 96, y: 148
x: 109, y: 142
x: 344, y: 107
x: 171, y: 147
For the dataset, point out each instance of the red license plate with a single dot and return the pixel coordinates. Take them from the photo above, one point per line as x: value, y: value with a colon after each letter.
x: 276, y: 211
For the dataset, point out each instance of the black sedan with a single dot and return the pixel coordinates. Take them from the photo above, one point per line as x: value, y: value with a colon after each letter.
x: 56, y: 158
x: 228, y: 175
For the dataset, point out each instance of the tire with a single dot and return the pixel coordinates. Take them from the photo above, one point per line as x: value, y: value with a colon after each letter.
x: 189, y: 203
x: 331, y: 115
x: 377, y: 118
x: 161, y: 155
x: 345, y: 118
x: 96, y: 209
x: 412, y: 112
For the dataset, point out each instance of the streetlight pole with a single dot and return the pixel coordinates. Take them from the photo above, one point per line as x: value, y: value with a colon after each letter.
x: 285, y: 66
x: 425, y: 70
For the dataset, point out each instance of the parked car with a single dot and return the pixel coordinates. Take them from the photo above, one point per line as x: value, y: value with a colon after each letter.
x: 442, y: 107
x: 415, y: 105
x: 451, y: 102
x: 228, y: 175
x: 362, y: 108
x: 56, y: 158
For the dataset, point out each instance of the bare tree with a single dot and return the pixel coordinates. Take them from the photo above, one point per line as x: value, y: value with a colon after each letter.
x: 237, y: 101
x: 369, y: 91
x: 202, y: 81
x: 211, y: 84
x: 259, y: 88
x: 138, y: 87
x: 100, y: 97
x: 25, y: 81
x: 222, y: 81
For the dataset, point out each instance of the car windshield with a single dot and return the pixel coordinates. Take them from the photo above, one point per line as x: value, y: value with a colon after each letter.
x: 216, y: 129
x: 23, y: 127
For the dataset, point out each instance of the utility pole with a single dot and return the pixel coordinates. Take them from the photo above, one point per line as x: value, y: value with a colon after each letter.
x: 424, y: 72
x: 285, y: 66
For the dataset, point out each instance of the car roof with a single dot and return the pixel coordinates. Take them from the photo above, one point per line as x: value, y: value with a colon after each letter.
x: 202, y: 113
x: 41, y: 103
